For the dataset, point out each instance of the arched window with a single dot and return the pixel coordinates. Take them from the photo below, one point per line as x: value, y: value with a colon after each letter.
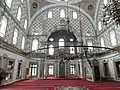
x: 105, y: 2
x: 74, y: 15
x: 19, y: 13
x: 51, y: 50
x: 8, y: 2
x: 102, y: 43
x: 90, y: 44
x: 99, y: 25
x: 61, y: 43
x: 35, y: 44
x: 25, y: 23
x: 113, y: 37
x: 62, y: 13
x: 72, y: 50
x: 50, y: 14
x: 3, y: 26
x: 23, y: 42
x: 15, y: 36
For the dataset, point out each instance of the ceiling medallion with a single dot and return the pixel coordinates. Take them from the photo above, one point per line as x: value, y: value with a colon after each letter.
x: 90, y: 7
x: 35, y: 5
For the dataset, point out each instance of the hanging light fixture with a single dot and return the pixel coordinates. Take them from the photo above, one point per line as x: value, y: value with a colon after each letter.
x: 67, y: 21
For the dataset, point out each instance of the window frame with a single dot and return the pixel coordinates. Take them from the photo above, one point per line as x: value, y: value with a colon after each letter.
x: 72, y: 50
x: 33, y: 43
x: 50, y: 69
x: 15, y: 38
x: 74, y: 15
x: 102, y: 42
x: 63, y: 43
x: 23, y: 42
x: 4, y: 18
x: 72, y: 69
x: 51, y: 49
x: 25, y: 23
x: 62, y: 12
x: 50, y: 12
x: 99, y: 25
x: 19, y: 12
x: 113, y: 42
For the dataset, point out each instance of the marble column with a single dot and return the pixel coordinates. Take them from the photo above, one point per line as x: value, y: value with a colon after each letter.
x: 57, y: 69
x: 38, y: 69
x: 4, y: 62
x: 45, y: 69
x: 77, y: 68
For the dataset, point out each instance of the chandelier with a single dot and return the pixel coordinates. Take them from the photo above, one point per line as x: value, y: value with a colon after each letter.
x: 111, y: 11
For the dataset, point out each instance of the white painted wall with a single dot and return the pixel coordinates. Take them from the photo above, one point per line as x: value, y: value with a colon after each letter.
x: 16, y: 57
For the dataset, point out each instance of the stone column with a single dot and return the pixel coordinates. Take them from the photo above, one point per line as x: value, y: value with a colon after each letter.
x: 68, y: 66
x: 15, y: 69
x: 41, y: 68
x: 4, y: 62
x: 77, y: 68
x: 45, y: 69
x: 81, y: 69
x: 57, y: 69
x: 38, y: 69
x: 65, y: 68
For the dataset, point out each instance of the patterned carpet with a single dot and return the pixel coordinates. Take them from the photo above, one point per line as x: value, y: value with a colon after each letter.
x: 62, y: 84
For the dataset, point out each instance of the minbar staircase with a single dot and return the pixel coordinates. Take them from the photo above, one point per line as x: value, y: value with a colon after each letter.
x: 89, y: 71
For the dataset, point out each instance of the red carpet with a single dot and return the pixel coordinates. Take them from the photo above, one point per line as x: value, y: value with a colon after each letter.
x: 49, y: 84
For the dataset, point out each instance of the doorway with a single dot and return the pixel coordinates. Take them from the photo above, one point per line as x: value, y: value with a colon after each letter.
x: 97, y: 73
x: 62, y: 69
x: 106, y: 70
x: 118, y: 68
